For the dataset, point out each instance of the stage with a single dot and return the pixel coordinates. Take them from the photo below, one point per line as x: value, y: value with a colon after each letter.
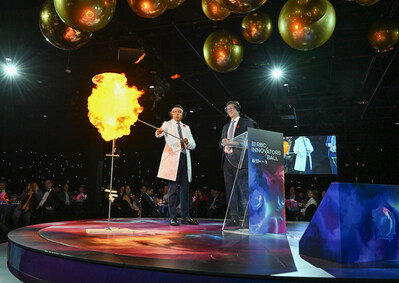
x: 153, y: 251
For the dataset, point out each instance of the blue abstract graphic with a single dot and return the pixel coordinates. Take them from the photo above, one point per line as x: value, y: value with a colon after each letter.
x: 266, y: 182
x: 354, y: 223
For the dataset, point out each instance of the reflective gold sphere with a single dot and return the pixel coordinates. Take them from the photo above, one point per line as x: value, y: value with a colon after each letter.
x: 367, y: 2
x: 85, y: 15
x: 256, y: 27
x: 171, y: 4
x: 148, y: 8
x: 223, y: 51
x: 306, y: 24
x: 57, y: 33
x: 383, y: 34
x: 214, y: 11
x: 241, y: 6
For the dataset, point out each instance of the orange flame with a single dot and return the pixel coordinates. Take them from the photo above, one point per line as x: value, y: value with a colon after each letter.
x: 113, y: 105
x: 175, y: 76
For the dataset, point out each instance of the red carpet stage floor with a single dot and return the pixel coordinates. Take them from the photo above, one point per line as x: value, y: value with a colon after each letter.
x: 153, y: 251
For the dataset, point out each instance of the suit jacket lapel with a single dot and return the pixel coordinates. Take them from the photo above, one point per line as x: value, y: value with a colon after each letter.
x: 238, y: 130
x: 225, y: 130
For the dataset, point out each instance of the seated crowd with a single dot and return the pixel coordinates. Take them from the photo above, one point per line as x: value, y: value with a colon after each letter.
x: 34, y: 206
x: 147, y: 203
x: 301, y: 208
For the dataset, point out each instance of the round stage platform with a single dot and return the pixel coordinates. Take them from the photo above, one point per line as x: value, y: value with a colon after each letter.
x: 153, y: 251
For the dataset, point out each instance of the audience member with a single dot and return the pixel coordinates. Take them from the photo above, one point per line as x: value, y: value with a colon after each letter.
x: 165, y: 195
x: 148, y: 207
x: 3, y: 189
x: 323, y: 193
x: 129, y: 207
x: 46, y: 207
x: 214, y: 205
x: 65, y: 201
x: 82, y: 196
x: 310, y: 207
x: 14, y: 199
x: 25, y: 207
x: 37, y: 192
x: 199, y: 204
x: 292, y: 208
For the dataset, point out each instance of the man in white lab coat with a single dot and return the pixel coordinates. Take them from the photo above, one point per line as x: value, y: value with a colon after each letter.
x: 176, y: 164
x: 303, y: 149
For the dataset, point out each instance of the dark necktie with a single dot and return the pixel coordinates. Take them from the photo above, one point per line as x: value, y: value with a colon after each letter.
x: 183, y: 149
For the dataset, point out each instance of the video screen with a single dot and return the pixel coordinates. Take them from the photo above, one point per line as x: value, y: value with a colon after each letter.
x: 310, y: 155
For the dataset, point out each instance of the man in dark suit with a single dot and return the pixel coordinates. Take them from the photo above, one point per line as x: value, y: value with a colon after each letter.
x: 65, y: 201
x: 148, y: 206
x: 46, y: 207
x: 332, y: 153
x: 230, y: 162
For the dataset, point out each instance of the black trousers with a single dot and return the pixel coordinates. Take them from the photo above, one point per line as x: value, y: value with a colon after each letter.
x: 182, y: 180
x: 239, y: 199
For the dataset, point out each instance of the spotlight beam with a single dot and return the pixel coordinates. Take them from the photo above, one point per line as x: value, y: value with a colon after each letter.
x: 277, y: 73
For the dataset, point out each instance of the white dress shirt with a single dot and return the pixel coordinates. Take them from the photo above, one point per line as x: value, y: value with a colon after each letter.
x: 44, y: 198
x: 228, y: 149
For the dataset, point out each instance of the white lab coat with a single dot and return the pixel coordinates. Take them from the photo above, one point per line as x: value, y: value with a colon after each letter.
x: 172, y: 150
x: 299, y: 149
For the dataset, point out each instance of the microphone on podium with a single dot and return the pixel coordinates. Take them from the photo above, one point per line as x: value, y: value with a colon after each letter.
x: 244, y: 115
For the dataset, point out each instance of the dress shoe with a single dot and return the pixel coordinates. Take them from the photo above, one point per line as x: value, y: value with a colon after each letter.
x: 173, y: 222
x: 189, y: 221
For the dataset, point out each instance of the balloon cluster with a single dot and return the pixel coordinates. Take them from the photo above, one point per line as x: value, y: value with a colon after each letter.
x: 57, y: 33
x: 303, y: 25
x: 69, y: 24
x: 223, y: 50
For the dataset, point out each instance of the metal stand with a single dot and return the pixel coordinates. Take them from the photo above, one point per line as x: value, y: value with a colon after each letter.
x: 112, y: 155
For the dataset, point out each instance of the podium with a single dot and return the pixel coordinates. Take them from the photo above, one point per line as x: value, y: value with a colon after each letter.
x: 256, y: 202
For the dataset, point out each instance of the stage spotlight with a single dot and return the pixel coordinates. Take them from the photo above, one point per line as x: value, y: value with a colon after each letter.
x: 10, y: 70
x: 277, y: 73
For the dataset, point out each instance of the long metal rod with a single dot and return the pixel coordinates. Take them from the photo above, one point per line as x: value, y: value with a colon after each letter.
x: 203, y: 61
x: 379, y: 83
x: 152, y: 126
x: 110, y: 183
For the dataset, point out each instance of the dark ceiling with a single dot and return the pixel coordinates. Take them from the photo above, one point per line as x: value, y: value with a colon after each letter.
x: 343, y: 87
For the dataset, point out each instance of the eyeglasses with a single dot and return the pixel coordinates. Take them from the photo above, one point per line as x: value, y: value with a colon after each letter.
x: 227, y: 109
x: 177, y: 112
